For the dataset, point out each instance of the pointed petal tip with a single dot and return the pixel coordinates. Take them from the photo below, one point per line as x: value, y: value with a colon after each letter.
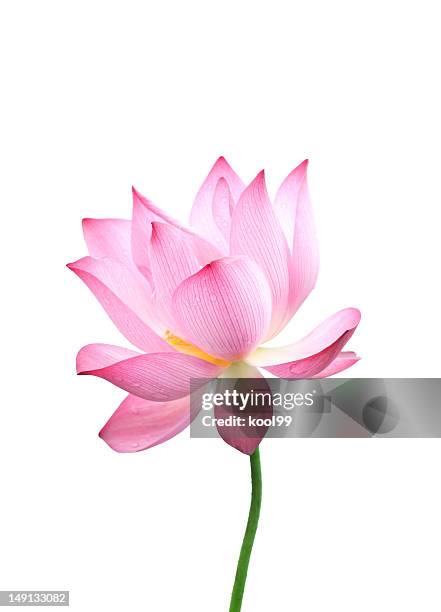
x: 258, y: 180
x: 221, y: 161
x: 304, y: 166
x: 135, y: 193
x: 300, y: 170
x: 258, y: 183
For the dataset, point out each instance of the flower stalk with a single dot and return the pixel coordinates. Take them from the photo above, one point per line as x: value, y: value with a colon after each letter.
x: 250, y: 533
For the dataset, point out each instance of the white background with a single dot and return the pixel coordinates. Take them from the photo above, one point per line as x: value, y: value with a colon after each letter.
x: 99, y: 95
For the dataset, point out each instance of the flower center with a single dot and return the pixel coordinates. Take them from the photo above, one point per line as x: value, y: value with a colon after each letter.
x: 190, y: 349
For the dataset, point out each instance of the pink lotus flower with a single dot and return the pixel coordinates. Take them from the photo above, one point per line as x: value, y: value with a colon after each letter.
x: 196, y: 299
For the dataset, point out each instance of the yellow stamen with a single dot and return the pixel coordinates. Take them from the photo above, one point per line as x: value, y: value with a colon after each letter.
x: 190, y: 349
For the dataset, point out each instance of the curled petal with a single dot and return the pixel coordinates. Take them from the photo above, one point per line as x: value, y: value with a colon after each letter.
x: 125, y: 298
x: 313, y: 365
x: 294, y: 211
x: 138, y: 424
x: 322, y: 337
x: 225, y: 308
x: 159, y: 377
x: 256, y: 233
x: 201, y: 216
x: 287, y: 198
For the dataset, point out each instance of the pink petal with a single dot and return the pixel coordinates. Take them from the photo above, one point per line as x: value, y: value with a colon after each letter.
x: 108, y: 238
x: 144, y: 214
x: 255, y: 232
x: 313, y: 365
x: 201, y: 217
x: 225, y: 308
x: 138, y: 424
x: 294, y: 211
x: 287, y: 198
x: 223, y: 205
x: 125, y: 299
x: 322, y: 337
x: 95, y: 356
x: 159, y: 377
x: 343, y: 361
x: 172, y: 261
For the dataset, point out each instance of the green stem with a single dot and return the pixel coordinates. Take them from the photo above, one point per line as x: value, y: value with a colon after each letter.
x: 250, y: 532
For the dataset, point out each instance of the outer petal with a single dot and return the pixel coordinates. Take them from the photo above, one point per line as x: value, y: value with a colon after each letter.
x: 94, y: 356
x: 126, y: 300
x: 108, y: 238
x: 138, y: 424
x: 172, y: 261
x: 201, y: 216
x: 322, y: 337
x: 294, y: 211
x: 225, y: 308
x: 144, y: 214
x: 159, y: 377
x: 255, y: 232
x: 343, y: 361
x: 311, y: 366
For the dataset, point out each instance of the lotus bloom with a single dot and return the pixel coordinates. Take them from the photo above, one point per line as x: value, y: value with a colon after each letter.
x: 195, y: 299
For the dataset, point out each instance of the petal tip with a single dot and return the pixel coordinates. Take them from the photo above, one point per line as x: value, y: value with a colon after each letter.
x: 356, y: 314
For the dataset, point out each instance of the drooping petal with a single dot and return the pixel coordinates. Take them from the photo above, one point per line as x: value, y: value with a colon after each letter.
x: 159, y: 377
x: 201, y: 216
x: 223, y: 205
x: 342, y: 362
x: 144, y: 214
x: 256, y: 232
x: 225, y: 308
x: 244, y: 379
x: 138, y: 424
x: 125, y: 299
x: 313, y: 365
x: 108, y: 238
x: 322, y: 337
x: 294, y: 211
x: 172, y: 260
